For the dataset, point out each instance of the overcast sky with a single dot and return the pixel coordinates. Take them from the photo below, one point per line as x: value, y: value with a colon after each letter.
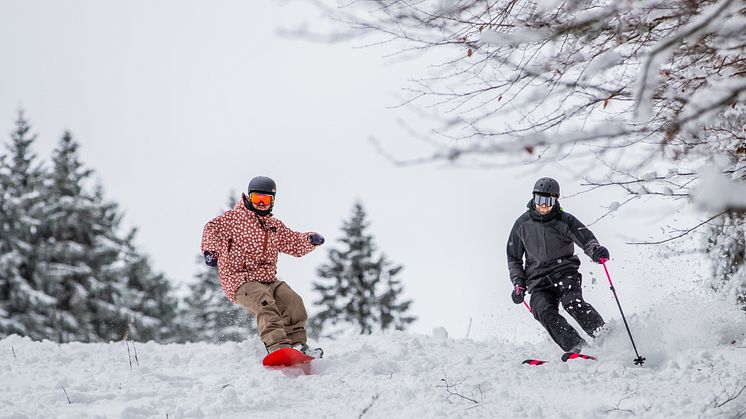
x: 175, y: 104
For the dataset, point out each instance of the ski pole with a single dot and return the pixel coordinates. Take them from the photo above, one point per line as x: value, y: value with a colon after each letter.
x: 527, y: 306
x: 639, y: 360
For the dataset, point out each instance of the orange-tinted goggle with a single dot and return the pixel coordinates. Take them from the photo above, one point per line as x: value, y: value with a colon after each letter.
x: 257, y: 198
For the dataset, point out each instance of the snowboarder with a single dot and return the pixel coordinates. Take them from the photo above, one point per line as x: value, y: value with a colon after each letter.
x: 243, y: 244
x: 544, y: 235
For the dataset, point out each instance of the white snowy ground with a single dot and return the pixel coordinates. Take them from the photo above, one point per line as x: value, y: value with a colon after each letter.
x: 696, y: 368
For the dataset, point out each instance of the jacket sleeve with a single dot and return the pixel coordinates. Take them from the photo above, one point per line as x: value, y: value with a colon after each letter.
x: 214, y: 239
x: 581, y: 235
x: 292, y: 242
x: 515, y: 256
x: 212, y: 234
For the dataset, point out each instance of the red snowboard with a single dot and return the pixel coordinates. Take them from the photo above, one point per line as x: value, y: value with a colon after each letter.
x: 286, y: 357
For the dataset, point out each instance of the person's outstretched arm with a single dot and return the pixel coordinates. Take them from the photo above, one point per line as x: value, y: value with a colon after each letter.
x: 294, y: 243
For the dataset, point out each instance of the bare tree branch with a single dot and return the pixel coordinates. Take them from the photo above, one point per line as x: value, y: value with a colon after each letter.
x: 687, y: 231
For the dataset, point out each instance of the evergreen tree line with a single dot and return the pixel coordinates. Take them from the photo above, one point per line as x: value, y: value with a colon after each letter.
x: 70, y: 271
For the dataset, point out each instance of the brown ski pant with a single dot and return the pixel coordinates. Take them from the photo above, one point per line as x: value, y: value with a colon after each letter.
x: 280, y: 314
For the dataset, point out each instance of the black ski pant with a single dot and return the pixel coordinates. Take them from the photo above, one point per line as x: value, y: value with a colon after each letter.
x: 565, y: 289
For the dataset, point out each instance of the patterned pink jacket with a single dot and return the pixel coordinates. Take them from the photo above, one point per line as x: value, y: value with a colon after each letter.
x: 247, y: 246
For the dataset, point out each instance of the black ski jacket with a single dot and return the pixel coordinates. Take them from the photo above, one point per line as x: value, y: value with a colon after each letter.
x: 547, y: 244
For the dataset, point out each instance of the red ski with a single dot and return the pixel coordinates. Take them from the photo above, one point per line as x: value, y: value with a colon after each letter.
x: 286, y: 357
x: 565, y: 357
x: 575, y: 355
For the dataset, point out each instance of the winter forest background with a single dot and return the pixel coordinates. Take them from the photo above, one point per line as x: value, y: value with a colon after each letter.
x: 70, y: 272
x: 644, y: 98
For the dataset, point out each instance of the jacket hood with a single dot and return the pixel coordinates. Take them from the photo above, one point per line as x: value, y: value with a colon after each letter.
x: 240, y: 206
x: 556, y: 209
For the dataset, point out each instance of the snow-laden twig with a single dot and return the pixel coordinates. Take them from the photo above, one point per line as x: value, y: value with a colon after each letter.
x: 372, y: 402
x: 663, y: 50
x: 137, y: 360
x: 629, y: 393
x: 452, y: 391
x: 733, y: 397
x: 611, y: 209
x: 684, y: 233
x: 66, y: 396
x: 129, y: 354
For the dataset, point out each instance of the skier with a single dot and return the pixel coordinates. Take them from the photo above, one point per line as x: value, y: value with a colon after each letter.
x: 545, y: 235
x: 243, y: 244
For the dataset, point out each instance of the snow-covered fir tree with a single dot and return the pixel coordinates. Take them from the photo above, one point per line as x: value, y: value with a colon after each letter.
x: 109, y: 290
x: 63, y: 265
x: 147, y: 300
x: 26, y: 305
x: 207, y: 314
x: 359, y: 287
x: 70, y: 273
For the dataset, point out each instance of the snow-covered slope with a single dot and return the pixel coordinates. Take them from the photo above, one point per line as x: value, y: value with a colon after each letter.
x: 696, y: 368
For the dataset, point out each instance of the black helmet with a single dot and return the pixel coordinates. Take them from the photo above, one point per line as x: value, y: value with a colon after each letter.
x: 547, y: 186
x: 262, y: 184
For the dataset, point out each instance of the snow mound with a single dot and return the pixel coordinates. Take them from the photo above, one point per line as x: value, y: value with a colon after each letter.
x: 696, y: 368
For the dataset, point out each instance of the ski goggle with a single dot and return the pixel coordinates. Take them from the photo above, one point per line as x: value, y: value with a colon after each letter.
x: 260, y: 198
x: 545, y: 200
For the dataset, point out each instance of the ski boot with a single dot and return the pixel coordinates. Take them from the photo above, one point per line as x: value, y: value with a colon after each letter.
x: 312, y: 352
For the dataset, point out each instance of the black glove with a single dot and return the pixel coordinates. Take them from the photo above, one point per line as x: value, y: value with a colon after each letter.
x: 211, y: 259
x: 316, y: 239
x: 599, y: 253
x: 518, y: 294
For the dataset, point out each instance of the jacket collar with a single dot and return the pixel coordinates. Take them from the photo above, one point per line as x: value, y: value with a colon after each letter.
x: 241, y: 207
x: 538, y: 217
